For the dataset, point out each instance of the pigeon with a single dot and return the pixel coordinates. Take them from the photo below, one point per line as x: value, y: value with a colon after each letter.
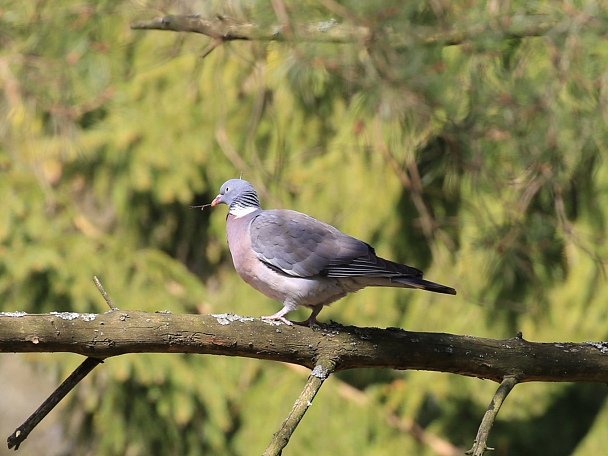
x: 300, y: 261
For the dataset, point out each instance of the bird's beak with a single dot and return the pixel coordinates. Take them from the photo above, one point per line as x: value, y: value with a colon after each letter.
x: 216, y: 200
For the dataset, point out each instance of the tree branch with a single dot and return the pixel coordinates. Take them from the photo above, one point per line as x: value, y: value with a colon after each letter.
x: 480, y: 444
x: 317, y: 376
x: 104, y: 294
x: 119, y: 332
x: 228, y: 29
x: 21, y: 433
x: 327, y: 349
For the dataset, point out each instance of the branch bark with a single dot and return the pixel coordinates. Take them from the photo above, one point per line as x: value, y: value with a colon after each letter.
x: 331, y: 31
x: 119, y: 332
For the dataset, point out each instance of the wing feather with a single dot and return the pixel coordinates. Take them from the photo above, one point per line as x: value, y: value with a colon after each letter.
x: 302, y: 246
x: 299, y: 245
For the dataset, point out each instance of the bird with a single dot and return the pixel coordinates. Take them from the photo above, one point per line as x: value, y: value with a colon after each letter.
x: 298, y: 260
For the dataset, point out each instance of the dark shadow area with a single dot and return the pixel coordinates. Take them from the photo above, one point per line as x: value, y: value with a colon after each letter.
x: 558, y: 431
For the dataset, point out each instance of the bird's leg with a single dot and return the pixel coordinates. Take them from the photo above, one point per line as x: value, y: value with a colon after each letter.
x: 279, y: 316
x: 312, y: 320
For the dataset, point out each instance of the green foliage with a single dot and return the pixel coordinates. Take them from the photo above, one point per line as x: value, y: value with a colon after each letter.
x: 481, y: 163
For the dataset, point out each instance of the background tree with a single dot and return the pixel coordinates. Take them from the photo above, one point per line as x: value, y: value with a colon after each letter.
x: 481, y: 163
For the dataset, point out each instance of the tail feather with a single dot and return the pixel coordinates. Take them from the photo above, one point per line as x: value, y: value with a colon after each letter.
x: 421, y: 284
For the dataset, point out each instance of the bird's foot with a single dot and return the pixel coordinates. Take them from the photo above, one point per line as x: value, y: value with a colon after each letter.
x: 277, y: 317
x: 310, y: 322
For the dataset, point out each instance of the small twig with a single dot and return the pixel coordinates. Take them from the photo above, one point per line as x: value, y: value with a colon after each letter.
x: 21, y: 433
x: 201, y: 207
x: 217, y: 42
x: 281, y: 12
x: 281, y: 438
x: 105, y: 295
x: 479, y: 446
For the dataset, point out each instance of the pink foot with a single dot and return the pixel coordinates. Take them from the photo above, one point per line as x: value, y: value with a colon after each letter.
x: 276, y: 317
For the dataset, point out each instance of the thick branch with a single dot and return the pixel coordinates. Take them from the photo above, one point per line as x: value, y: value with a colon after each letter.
x: 119, y: 332
x: 227, y: 29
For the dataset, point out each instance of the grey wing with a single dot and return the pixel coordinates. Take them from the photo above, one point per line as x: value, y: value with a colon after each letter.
x: 370, y: 265
x: 301, y: 246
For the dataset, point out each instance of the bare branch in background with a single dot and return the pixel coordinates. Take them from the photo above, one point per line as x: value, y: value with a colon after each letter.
x: 331, y: 31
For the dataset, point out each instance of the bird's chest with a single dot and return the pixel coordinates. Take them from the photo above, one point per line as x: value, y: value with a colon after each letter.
x: 248, y: 265
x: 239, y: 242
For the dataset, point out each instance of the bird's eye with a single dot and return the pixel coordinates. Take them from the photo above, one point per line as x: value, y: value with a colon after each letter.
x: 227, y: 190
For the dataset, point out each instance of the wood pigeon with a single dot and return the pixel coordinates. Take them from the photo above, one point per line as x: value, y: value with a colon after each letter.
x: 301, y: 261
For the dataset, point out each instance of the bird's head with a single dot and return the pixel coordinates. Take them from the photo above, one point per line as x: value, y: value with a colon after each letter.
x: 240, y: 197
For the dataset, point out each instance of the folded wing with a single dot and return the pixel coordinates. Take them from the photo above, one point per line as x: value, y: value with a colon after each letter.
x: 302, y: 246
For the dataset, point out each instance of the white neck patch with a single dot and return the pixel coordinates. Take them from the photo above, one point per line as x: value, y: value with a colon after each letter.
x: 239, y: 211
